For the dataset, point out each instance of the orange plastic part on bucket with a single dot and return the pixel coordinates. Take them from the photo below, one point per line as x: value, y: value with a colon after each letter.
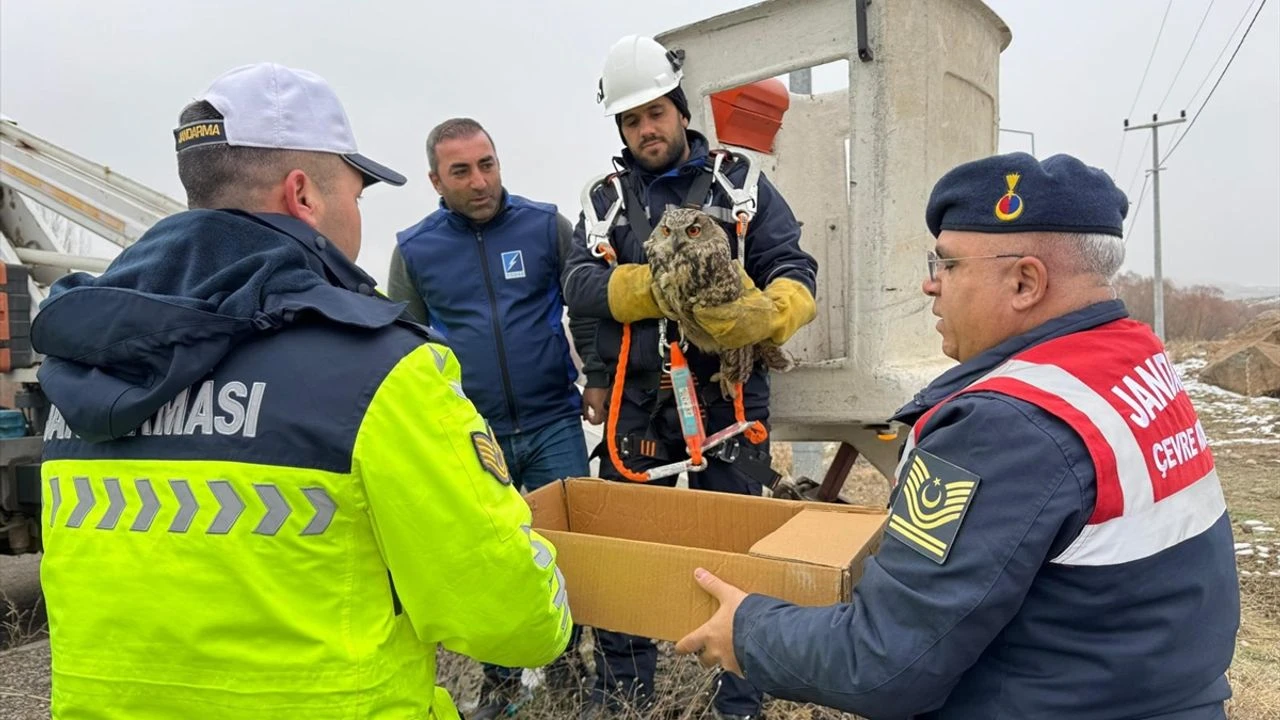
x: 750, y: 116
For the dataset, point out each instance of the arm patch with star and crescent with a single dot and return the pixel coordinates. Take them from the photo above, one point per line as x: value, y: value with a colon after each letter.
x: 931, y: 504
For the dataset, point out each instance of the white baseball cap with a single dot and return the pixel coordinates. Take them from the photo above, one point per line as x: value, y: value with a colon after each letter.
x: 271, y: 106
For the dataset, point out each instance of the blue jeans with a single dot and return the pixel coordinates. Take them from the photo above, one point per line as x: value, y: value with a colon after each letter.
x: 551, y: 452
x: 537, y: 458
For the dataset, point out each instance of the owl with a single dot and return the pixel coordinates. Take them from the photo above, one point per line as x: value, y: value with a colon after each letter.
x: 692, y: 268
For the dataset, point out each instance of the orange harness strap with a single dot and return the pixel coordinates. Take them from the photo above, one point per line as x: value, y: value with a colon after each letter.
x: 615, y: 404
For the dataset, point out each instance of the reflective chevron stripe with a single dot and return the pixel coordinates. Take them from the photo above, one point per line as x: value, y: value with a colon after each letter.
x: 150, y: 506
x: 55, y: 499
x: 439, y: 358
x: 187, y: 506
x: 116, y: 506
x: 84, y: 502
x: 277, y: 509
x: 230, y: 506
x: 325, y: 508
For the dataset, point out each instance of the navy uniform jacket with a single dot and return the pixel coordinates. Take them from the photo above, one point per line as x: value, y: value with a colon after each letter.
x: 772, y: 251
x: 996, y: 630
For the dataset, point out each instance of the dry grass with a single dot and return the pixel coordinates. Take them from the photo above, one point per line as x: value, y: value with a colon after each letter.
x: 1255, y: 672
x: 20, y: 626
x: 684, y: 692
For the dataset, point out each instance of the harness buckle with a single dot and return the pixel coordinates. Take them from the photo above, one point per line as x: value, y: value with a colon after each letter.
x: 597, y: 237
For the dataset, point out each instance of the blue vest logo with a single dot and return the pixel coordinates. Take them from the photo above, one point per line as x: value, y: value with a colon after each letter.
x: 513, y: 264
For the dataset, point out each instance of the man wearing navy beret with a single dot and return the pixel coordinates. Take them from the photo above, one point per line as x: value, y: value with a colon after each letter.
x: 1058, y: 545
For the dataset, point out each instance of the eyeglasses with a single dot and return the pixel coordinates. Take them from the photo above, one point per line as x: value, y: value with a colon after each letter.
x: 932, y: 261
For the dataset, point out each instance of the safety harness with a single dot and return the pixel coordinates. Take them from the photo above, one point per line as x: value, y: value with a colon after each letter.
x: 676, y: 375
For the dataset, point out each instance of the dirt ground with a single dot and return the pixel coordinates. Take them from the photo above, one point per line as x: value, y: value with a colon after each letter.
x: 1245, y: 436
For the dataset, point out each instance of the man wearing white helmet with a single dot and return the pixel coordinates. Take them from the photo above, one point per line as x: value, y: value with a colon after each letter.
x: 665, y: 164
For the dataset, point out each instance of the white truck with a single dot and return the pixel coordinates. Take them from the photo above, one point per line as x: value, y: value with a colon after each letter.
x: 855, y: 164
x: 33, y: 170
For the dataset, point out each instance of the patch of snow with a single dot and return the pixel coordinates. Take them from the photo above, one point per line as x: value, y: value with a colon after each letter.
x: 1192, y: 363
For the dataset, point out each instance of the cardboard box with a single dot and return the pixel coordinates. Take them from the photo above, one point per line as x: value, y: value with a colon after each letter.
x: 628, y: 551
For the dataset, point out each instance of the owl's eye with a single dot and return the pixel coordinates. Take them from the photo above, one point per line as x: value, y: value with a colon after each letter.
x: 666, y: 231
x: 694, y: 231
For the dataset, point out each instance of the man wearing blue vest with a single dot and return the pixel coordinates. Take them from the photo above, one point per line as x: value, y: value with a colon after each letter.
x: 484, y: 270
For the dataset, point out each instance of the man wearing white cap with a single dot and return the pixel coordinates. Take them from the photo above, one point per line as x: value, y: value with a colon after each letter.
x: 267, y: 494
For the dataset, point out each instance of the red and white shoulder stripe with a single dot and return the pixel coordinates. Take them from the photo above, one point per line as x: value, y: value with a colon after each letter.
x: 1115, y: 387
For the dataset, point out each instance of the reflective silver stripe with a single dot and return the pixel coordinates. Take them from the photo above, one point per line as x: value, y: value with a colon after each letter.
x: 569, y: 277
x: 150, y: 506
x: 457, y: 390
x: 562, y: 595
x: 231, y: 507
x: 325, y: 508
x: 440, y: 359
x: 187, y: 506
x: 84, y: 502
x: 542, y: 556
x: 115, y: 506
x: 55, y: 499
x: 277, y: 509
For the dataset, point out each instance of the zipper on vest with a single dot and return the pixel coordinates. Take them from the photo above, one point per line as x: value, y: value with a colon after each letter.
x: 497, y: 334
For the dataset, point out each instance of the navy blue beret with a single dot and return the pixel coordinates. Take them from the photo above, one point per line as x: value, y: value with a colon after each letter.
x: 1017, y: 193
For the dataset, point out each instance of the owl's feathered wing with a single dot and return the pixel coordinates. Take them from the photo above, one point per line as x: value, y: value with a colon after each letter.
x: 696, y: 273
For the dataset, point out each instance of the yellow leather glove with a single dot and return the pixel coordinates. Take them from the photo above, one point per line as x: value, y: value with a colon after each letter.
x: 773, y: 315
x: 631, y: 294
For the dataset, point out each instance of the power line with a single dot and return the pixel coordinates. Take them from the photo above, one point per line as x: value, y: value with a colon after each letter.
x: 1187, y: 55
x: 1215, y: 84
x: 1154, y: 47
x: 1119, y: 153
x: 1209, y: 73
x: 1133, y: 216
x: 1137, y: 171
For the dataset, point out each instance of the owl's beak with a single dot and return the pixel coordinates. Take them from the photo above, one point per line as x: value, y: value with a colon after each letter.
x: 677, y: 242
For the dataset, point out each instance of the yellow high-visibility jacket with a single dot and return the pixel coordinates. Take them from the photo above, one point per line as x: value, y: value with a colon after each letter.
x: 290, y: 536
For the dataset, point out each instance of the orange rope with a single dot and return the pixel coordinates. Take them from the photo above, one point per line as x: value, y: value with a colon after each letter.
x: 755, y: 434
x: 615, y: 405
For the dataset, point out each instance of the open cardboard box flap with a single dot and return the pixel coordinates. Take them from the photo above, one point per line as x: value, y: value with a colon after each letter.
x: 628, y: 551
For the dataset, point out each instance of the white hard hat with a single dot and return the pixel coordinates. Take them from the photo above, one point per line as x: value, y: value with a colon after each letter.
x: 638, y: 70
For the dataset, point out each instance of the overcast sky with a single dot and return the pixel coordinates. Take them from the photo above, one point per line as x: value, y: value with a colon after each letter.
x: 107, y: 79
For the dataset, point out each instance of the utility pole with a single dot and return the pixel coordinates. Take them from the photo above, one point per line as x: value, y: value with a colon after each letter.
x: 1157, y: 288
